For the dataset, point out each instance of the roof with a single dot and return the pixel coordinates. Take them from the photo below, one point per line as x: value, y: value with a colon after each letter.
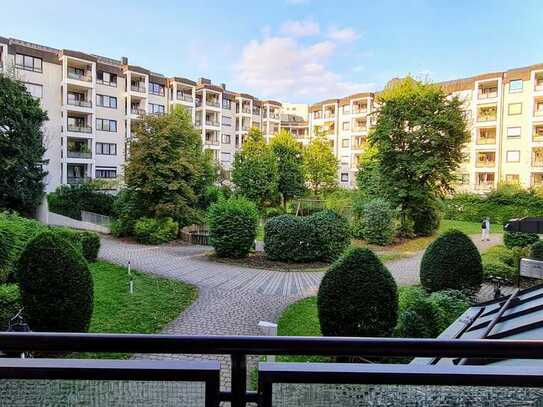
x: 518, y: 316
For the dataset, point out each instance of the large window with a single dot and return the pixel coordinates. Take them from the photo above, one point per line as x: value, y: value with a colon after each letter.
x: 514, y: 109
x: 514, y: 132
x: 226, y: 139
x: 227, y: 121
x: 515, y: 86
x: 346, y: 109
x: 106, y: 125
x: 156, y: 109
x: 226, y: 104
x: 344, y: 177
x: 106, y: 173
x: 106, y: 78
x: 106, y: 101
x: 35, y: 90
x: 156, y: 89
x: 226, y: 157
x: 345, y: 143
x: 28, y: 63
x: 106, y: 148
x: 513, y: 156
x: 346, y: 126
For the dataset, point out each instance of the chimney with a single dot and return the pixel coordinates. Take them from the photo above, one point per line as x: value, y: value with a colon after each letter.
x: 223, y: 86
x: 124, y: 60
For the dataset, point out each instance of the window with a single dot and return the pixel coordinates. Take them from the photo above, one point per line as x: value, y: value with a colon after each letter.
x: 226, y: 157
x: 226, y: 139
x: 513, y: 132
x: 515, y: 86
x: 227, y: 104
x: 344, y: 177
x: 28, y: 63
x: 106, y: 78
x: 106, y: 125
x: 226, y: 121
x: 346, y: 109
x: 35, y: 90
x: 156, y: 89
x: 513, y: 156
x: 345, y: 143
x: 464, y: 180
x: 317, y: 115
x: 106, y: 148
x: 106, y: 173
x: 512, y: 178
x: 346, y: 126
x: 514, y: 108
x: 156, y: 109
x: 106, y: 101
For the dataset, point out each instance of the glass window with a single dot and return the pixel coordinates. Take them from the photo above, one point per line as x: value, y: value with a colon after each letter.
x: 513, y: 156
x: 35, y: 90
x: 227, y: 104
x: 347, y: 109
x: 28, y: 63
x: 345, y: 143
x: 156, y: 89
x: 106, y: 125
x: 344, y: 177
x: 513, y: 132
x: 515, y: 108
x: 106, y: 173
x: 226, y: 157
x: 512, y: 178
x: 226, y: 139
x: 515, y: 85
x: 106, y: 101
x: 156, y: 109
x: 346, y: 125
x: 106, y: 148
x: 226, y: 121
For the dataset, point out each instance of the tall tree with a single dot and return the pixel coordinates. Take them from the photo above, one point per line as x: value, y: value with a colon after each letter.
x: 288, y: 155
x: 419, y: 139
x: 320, y: 165
x: 168, y: 169
x: 254, y: 171
x: 21, y: 148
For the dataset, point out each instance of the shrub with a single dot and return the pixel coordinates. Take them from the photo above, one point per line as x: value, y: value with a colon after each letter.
x: 426, y: 219
x: 214, y: 194
x: 153, y: 231
x: 450, y: 305
x: 451, y: 262
x: 6, y: 247
x: 333, y: 233
x: 56, y: 285
x: 10, y: 304
x: 536, y: 251
x: 70, y: 200
x: 71, y: 236
x: 498, y: 269
x: 418, y: 320
x: 90, y: 245
x: 499, y: 254
x: 519, y: 239
x: 358, y: 297
x: 376, y: 223
x: 291, y: 238
x: 273, y: 212
x: 126, y: 212
x: 232, y: 226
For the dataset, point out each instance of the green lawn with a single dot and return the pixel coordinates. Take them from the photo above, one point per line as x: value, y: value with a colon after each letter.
x: 155, y: 302
x: 469, y: 228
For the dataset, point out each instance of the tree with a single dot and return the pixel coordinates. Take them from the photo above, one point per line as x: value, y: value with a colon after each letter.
x: 21, y: 148
x: 254, y: 171
x: 320, y: 165
x: 168, y: 170
x: 288, y: 155
x: 419, y: 138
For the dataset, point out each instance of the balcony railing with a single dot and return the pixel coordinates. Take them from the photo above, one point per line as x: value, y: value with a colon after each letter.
x: 212, y: 141
x: 484, y: 185
x: 539, y: 85
x: 329, y: 115
x: 538, y: 135
x: 488, y: 94
x: 106, y: 83
x: 79, y: 129
x: 357, y: 110
x: 486, y: 140
x: 485, y: 163
x: 79, y: 154
x: 80, y: 103
x: 77, y: 180
x: 80, y: 77
x: 137, y: 111
x: 487, y: 116
x: 256, y: 112
x: 246, y: 110
x: 322, y: 382
x: 214, y: 123
x: 184, y: 97
x: 138, y: 88
x: 213, y: 103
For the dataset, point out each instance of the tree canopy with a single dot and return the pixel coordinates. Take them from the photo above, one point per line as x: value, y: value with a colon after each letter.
x: 168, y: 169
x: 288, y: 155
x: 21, y: 148
x: 320, y: 165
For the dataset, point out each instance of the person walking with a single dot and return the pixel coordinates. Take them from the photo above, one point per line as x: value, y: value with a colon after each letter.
x: 485, y: 229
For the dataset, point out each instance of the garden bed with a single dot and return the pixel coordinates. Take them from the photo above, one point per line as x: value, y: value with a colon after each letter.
x: 258, y: 260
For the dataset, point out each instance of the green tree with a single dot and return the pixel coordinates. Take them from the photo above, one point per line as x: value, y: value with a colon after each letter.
x: 288, y: 155
x: 254, y: 171
x: 21, y: 148
x: 418, y: 140
x: 320, y: 165
x: 168, y: 170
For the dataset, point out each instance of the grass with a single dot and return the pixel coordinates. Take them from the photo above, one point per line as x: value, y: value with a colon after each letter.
x: 155, y: 302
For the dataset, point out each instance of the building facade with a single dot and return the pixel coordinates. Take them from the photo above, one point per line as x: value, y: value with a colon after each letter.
x: 93, y: 102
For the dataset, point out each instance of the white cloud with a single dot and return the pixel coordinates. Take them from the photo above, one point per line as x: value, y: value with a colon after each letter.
x: 281, y: 67
x: 346, y: 34
x: 305, y: 28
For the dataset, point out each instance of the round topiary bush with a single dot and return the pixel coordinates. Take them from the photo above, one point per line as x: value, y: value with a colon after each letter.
x: 232, y: 226
x: 90, y: 245
x: 56, y: 285
x: 376, y: 223
x: 536, y: 251
x: 358, y: 297
x: 333, y: 232
x: 519, y: 239
x: 451, y: 262
x: 291, y: 238
x: 426, y: 219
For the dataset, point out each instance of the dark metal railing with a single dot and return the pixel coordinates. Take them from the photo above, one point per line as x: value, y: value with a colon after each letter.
x: 238, y: 347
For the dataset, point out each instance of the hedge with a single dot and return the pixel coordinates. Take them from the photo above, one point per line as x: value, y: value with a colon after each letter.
x: 536, y: 251
x: 333, y: 233
x: 70, y: 200
x: 56, y: 285
x: 358, y: 297
x: 451, y: 262
x: 426, y: 219
x: 375, y: 222
x: 232, y: 226
x: 519, y: 239
x: 10, y: 304
x: 155, y: 231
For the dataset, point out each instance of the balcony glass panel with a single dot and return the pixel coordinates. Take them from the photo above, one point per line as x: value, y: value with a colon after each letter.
x: 537, y: 157
x: 487, y: 113
x: 538, y: 133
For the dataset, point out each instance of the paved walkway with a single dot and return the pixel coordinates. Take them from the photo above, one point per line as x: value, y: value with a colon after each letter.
x: 232, y: 299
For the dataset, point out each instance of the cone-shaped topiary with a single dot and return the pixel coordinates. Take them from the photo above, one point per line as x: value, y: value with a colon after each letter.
x: 451, y: 262
x: 56, y: 285
x: 358, y: 297
x: 536, y: 251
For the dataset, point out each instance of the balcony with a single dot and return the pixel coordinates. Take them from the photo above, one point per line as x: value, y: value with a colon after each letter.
x: 538, y: 108
x: 537, y: 179
x: 486, y: 136
x: 140, y: 88
x: 78, y: 75
x: 137, y: 111
x: 486, y: 159
x: 487, y: 91
x: 486, y: 114
x: 213, y: 103
x: 77, y: 128
x: 184, y: 97
x: 212, y: 122
x: 357, y: 109
x: 212, y: 141
x: 80, y: 103
x: 77, y: 180
x: 79, y: 154
x: 538, y: 134
x: 537, y: 157
x: 538, y: 86
x: 246, y: 110
x: 329, y: 114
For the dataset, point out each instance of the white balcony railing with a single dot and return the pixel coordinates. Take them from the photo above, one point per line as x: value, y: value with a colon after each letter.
x: 80, y: 103
x: 80, y: 77
x: 79, y: 128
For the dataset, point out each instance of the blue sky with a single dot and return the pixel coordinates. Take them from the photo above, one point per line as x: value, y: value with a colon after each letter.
x: 292, y: 50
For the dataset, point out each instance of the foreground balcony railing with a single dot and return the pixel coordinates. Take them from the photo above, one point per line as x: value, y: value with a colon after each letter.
x: 214, y: 123
x: 79, y: 129
x: 79, y: 76
x: 80, y: 103
x: 150, y: 382
x: 79, y: 154
x: 77, y: 181
x: 138, y: 88
x: 213, y: 103
x: 137, y: 111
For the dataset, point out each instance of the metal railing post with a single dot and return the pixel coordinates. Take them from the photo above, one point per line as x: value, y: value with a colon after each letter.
x: 239, y: 379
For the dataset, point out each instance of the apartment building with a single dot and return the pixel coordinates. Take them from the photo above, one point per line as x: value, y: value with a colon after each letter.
x: 93, y: 103
x: 505, y: 116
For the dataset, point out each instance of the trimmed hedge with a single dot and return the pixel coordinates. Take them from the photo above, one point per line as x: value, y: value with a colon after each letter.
x: 232, y: 226
x: 426, y: 220
x: 90, y: 245
x: 10, y: 304
x: 536, y: 251
x: 333, y: 233
x: 56, y: 285
x: 451, y: 261
x: 70, y: 200
x: 519, y: 239
x: 155, y: 231
x: 375, y: 223
x: 358, y: 297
